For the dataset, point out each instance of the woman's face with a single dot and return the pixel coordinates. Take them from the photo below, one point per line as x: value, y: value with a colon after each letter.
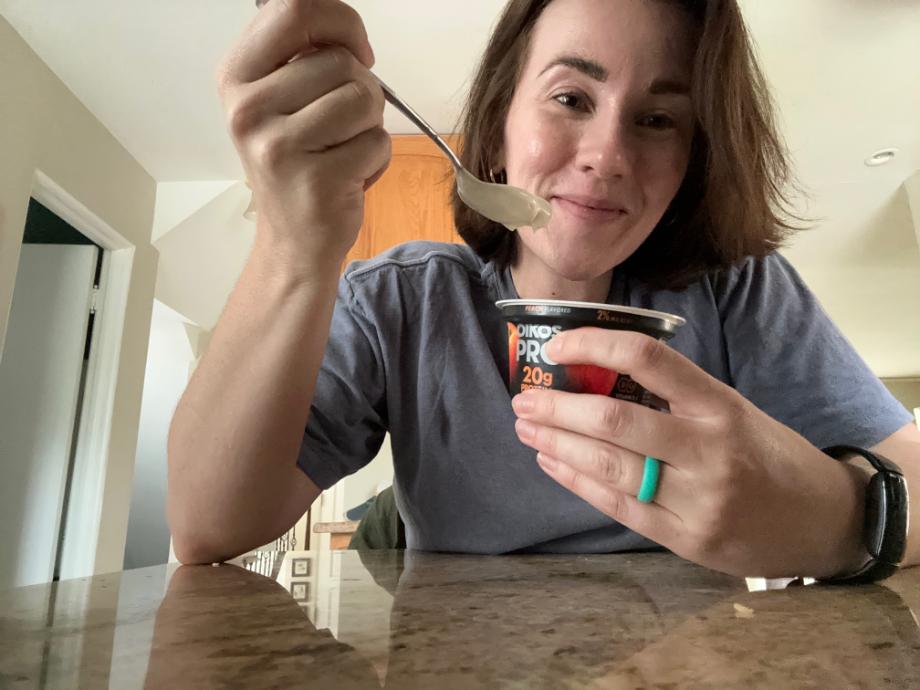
x: 601, y: 125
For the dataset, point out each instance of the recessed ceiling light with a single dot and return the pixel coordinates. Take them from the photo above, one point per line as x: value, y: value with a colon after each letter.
x: 881, y: 157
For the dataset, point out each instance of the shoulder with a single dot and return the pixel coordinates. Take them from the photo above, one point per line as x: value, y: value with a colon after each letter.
x: 750, y: 285
x: 758, y: 280
x: 752, y: 270
x: 417, y: 258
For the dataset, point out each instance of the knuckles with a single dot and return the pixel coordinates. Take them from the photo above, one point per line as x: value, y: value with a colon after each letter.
x: 612, y: 504
x: 365, y: 96
x: 648, y: 352
x: 708, y: 543
x: 607, y: 465
x: 611, y: 418
x: 296, y: 10
x: 268, y: 151
x: 719, y: 507
x: 244, y: 114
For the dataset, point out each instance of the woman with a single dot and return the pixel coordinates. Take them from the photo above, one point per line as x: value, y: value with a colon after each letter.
x: 646, y: 124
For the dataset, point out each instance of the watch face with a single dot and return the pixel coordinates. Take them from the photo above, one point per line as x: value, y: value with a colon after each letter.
x: 876, y: 510
x: 886, y: 517
x: 894, y: 542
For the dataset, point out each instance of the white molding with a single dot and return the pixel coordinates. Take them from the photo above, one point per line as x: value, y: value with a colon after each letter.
x: 84, y: 515
x: 50, y: 194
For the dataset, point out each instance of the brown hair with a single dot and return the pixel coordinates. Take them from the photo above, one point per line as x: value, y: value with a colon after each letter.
x: 732, y: 202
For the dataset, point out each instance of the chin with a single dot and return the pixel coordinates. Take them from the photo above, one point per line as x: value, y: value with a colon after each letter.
x: 576, y: 267
x: 579, y: 254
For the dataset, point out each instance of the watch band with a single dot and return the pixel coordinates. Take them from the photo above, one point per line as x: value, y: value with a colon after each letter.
x: 887, y: 517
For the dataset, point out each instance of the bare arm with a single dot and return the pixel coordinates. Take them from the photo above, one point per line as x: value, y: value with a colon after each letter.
x: 233, y: 481
x: 306, y: 116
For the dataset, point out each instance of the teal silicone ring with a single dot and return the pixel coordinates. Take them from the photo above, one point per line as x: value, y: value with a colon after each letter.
x: 649, y: 480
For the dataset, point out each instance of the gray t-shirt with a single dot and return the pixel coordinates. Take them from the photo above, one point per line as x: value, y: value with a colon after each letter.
x: 417, y: 348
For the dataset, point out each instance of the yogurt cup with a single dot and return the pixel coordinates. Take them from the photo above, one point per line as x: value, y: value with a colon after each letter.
x: 533, y: 323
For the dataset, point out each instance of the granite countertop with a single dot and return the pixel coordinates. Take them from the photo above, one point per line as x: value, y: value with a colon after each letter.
x: 415, y: 620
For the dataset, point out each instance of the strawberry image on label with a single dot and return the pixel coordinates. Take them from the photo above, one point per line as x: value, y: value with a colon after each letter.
x: 533, y: 323
x: 587, y: 378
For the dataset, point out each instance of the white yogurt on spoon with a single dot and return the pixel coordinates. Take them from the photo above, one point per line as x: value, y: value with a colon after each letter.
x: 511, y: 206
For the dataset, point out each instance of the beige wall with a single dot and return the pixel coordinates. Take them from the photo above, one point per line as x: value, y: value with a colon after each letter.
x: 906, y: 390
x: 44, y: 127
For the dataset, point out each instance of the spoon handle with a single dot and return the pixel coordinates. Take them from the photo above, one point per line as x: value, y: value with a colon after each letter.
x: 419, y: 122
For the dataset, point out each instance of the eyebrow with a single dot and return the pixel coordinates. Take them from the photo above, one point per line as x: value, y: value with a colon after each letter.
x: 588, y: 67
x: 659, y: 87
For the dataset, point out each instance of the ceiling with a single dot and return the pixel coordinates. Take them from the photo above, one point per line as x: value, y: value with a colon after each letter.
x: 145, y: 69
x: 845, y: 73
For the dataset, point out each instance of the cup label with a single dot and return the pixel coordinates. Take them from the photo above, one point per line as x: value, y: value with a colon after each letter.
x: 530, y: 367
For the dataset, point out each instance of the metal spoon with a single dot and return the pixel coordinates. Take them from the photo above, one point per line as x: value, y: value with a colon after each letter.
x: 511, y: 206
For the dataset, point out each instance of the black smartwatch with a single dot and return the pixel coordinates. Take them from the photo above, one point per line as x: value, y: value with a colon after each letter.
x: 887, y: 518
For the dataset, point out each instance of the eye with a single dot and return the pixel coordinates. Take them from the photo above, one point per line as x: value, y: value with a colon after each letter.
x: 658, y: 121
x: 573, y: 101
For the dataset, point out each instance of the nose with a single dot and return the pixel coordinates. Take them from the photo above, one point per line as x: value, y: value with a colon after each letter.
x: 606, y: 149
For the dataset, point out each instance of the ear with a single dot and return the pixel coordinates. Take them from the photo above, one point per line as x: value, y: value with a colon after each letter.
x: 498, y: 160
x: 497, y: 169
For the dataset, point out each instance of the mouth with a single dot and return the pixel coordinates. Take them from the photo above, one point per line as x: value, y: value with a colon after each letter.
x: 591, y: 208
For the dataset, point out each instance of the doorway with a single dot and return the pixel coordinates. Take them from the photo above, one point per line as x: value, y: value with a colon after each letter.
x: 42, y: 381
x: 58, y: 372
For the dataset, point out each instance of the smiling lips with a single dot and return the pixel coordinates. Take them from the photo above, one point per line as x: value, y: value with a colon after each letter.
x: 588, y: 207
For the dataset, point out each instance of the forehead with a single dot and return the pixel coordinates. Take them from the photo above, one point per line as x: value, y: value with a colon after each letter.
x: 648, y: 35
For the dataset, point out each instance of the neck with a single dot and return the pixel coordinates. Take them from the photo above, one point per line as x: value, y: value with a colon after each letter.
x: 535, y: 280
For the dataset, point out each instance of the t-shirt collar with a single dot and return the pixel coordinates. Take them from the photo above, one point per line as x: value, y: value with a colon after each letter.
x: 503, y: 285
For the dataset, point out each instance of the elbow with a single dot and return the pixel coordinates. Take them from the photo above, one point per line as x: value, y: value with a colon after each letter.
x: 187, y: 554
x: 188, y: 547
x: 191, y: 549
x: 191, y: 543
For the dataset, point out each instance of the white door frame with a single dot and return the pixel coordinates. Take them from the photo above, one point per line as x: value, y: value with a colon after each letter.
x: 84, y: 513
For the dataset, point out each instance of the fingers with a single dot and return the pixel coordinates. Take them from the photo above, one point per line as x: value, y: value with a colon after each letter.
x: 285, y: 29
x: 366, y: 156
x: 624, y: 424
x: 616, y: 467
x: 339, y: 116
x: 651, y: 520
x: 650, y: 362
x: 313, y: 103
x: 300, y: 82
x: 370, y: 182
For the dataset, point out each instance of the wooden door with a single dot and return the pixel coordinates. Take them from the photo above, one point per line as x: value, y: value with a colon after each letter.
x: 411, y: 201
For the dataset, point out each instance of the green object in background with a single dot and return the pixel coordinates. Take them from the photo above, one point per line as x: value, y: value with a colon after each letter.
x: 381, y: 527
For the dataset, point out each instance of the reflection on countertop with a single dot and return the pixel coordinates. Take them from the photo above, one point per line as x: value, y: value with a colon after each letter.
x: 418, y: 620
